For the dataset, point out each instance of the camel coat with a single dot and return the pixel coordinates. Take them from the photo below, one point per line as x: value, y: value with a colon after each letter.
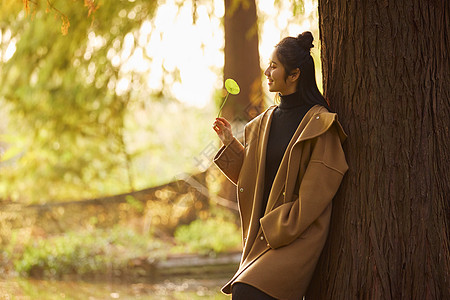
x: 281, y: 248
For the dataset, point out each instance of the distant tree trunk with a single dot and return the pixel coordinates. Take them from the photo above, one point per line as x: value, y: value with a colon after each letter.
x: 386, y: 73
x: 241, y: 64
x: 242, y: 59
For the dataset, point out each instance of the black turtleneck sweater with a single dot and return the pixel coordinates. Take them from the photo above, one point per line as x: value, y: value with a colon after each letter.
x: 285, y: 120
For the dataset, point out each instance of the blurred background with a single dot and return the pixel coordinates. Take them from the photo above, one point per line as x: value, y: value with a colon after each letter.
x: 107, y: 187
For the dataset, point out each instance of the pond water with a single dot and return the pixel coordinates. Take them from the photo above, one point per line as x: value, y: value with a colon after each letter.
x: 176, y: 288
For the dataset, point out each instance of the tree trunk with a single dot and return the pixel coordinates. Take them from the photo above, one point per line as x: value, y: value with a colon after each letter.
x: 242, y: 59
x: 242, y: 65
x: 386, y: 72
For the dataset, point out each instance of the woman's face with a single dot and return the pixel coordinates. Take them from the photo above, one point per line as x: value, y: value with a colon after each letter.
x: 276, y: 77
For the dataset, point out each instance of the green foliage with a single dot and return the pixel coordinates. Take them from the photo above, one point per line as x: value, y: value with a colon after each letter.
x: 72, y: 134
x: 92, y: 252
x: 297, y: 6
x: 210, y: 235
x: 60, y: 95
x: 59, y: 90
x: 135, y: 204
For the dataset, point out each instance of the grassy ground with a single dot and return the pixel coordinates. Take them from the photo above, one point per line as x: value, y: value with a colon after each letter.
x: 112, y: 252
x: 175, y: 289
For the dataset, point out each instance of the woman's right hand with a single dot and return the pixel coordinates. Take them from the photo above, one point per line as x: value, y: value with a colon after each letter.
x: 223, y: 129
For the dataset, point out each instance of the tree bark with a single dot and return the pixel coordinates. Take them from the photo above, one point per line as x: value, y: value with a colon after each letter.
x: 386, y: 73
x: 241, y: 64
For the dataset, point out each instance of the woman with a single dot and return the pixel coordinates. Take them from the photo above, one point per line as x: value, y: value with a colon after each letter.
x: 286, y: 173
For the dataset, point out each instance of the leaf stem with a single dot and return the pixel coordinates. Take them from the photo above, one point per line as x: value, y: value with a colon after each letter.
x: 226, y: 97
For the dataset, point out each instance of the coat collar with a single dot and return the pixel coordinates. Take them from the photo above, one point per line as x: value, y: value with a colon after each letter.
x: 315, y: 122
x: 305, y: 130
x: 319, y: 121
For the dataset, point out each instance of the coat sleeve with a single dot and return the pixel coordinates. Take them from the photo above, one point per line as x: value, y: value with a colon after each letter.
x: 229, y: 159
x: 318, y: 186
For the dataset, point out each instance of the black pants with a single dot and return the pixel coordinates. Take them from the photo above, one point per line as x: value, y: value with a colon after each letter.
x: 243, y: 291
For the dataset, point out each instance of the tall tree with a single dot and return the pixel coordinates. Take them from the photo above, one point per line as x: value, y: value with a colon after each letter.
x: 386, y: 72
x: 241, y: 64
x: 242, y: 59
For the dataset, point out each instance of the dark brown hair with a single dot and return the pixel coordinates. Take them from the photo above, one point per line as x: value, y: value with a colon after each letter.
x: 295, y: 52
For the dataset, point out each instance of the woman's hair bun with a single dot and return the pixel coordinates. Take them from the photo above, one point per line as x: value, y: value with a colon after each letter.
x: 305, y: 40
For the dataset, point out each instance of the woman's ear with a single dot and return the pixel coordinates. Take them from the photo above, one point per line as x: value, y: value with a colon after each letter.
x: 295, y: 74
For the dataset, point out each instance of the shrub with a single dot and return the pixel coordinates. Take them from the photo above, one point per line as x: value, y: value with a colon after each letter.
x: 98, y: 251
x: 204, y: 236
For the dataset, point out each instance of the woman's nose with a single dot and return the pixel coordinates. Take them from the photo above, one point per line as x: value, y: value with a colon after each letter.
x: 266, y: 72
